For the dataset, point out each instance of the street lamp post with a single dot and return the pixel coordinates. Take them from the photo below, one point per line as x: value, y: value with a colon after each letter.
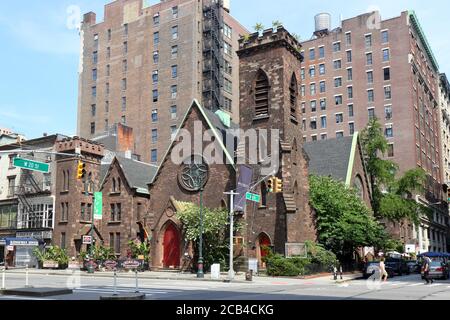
x: 90, y: 267
x: 200, y: 273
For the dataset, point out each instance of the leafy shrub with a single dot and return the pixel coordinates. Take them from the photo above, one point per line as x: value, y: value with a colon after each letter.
x: 320, y: 256
x: 54, y: 253
x: 139, y: 248
x: 100, y: 253
x: 277, y: 266
x: 318, y: 260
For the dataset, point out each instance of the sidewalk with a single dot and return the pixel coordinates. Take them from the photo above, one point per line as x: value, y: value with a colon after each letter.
x: 166, y: 275
x: 156, y: 275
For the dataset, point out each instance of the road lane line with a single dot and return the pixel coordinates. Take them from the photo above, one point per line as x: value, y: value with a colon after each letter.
x: 415, y: 285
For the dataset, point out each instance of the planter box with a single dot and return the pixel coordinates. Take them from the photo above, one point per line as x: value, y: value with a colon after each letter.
x: 50, y: 265
x: 75, y: 265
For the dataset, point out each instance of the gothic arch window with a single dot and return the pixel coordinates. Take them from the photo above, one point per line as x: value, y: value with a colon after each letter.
x: 295, y: 188
x: 293, y: 93
x: 114, y: 185
x: 68, y: 180
x: 64, y: 180
x: 359, y: 187
x: 263, y: 194
x: 119, y: 185
x: 261, y: 95
x: 294, y: 153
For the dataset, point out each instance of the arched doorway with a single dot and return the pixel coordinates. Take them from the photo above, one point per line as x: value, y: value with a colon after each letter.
x: 262, y: 248
x: 171, y: 247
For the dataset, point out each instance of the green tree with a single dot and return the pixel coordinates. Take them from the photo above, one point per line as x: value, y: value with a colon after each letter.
x: 276, y: 24
x: 391, y: 197
x: 343, y: 221
x: 258, y: 27
x: 215, y: 232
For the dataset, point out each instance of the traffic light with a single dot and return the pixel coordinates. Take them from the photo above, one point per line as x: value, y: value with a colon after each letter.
x: 278, y: 185
x: 81, y: 170
x: 448, y: 195
x: 270, y: 184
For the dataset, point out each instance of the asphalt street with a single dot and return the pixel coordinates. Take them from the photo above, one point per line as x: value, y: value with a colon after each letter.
x: 91, y: 287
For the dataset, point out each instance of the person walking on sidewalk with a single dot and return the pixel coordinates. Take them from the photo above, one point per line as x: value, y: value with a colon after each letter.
x: 383, y: 271
x: 426, y: 270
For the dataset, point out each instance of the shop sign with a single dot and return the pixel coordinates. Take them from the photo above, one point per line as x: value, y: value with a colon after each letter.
x: 50, y: 265
x: 131, y: 264
x: 87, y: 240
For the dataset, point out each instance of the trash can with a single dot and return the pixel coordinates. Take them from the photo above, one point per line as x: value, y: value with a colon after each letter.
x: 249, y: 275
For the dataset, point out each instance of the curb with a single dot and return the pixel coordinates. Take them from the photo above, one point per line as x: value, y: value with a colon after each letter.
x: 124, y: 297
x: 126, y: 276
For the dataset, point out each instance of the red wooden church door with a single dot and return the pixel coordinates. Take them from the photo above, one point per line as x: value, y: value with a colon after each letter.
x: 264, y: 242
x: 171, y: 247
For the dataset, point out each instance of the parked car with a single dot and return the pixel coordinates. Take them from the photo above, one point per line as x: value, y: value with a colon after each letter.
x: 439, y: 269
x: 398, y: 265
x: 374, y: 266
x: 414, y: 266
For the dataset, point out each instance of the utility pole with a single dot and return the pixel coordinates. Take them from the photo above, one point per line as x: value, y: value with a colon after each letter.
x: 231, y: 271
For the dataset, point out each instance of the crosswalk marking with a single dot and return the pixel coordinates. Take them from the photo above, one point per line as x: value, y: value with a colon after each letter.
x: 122, y: 290
x: 415, y: 285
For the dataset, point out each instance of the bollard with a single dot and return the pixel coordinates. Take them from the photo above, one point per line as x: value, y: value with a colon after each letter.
x: 3, y: 279
x: 115, y: 282
x: 137, y: 287
x: 26, y: 277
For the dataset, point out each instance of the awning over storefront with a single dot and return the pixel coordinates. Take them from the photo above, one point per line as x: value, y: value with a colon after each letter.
x: 21, y: 242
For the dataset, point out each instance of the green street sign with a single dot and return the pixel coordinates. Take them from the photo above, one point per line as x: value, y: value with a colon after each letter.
x: 98, y: 206
x: 253, y: 197
x: 31, y: 165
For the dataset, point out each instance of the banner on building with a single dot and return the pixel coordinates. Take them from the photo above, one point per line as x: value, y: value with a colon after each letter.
x: 98, y: 206
x: 243, y: 186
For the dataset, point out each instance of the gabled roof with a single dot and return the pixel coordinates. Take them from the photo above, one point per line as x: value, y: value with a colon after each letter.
x: 333, y: 157
x: 214, y: 123
x: 137, y: 174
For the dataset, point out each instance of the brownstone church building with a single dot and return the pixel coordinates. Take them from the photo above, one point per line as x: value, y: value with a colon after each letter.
x: 141, y: 200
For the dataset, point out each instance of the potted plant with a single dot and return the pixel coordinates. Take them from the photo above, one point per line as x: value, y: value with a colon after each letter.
x: 141, y: 251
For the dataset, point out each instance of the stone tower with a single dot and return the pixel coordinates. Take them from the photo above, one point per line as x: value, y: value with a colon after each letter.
x: 269, y: 99
x: 73, y: 214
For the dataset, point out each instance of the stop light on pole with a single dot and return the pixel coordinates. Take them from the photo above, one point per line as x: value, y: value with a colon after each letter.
x: 278, y: 185
x: 270, y: 184
x: 448, y: 194
x: 81, y: 170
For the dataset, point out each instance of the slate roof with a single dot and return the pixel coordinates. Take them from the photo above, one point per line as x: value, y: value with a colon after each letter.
x: 138, y: 174
x: 329, y: 158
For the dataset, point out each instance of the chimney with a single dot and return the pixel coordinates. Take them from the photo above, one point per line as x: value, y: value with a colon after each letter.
x: 125, y: 138
x: 90, y: 18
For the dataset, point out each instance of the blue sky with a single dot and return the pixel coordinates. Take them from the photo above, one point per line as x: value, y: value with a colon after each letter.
x: 40, y: 49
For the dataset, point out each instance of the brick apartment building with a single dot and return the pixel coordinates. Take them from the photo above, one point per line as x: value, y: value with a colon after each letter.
x: 143, y: 62
x: 27, y: 199
x: 370, y: 67
x: 444, y: 119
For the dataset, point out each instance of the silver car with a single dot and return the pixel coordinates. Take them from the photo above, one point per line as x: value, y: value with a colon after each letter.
x: 438, y: 270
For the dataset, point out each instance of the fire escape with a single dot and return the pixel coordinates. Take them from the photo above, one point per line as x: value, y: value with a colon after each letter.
x: 29, y: 186
x: 213, y: 61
